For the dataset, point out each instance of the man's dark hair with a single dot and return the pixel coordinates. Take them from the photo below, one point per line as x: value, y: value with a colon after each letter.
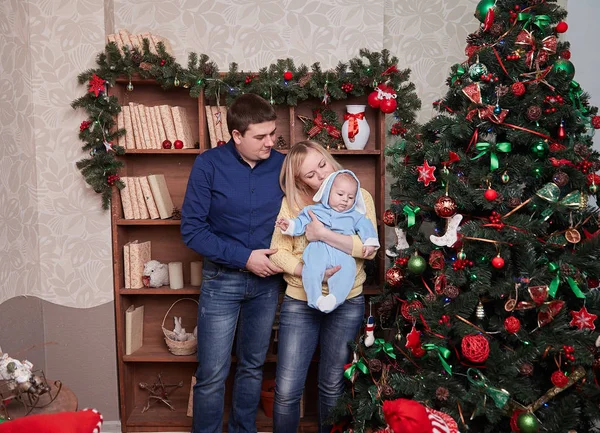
x: 246, y: 110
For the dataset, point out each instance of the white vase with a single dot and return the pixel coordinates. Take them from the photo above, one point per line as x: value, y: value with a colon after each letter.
x: 356, y: 113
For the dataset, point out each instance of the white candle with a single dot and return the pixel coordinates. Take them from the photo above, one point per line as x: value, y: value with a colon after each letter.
x: 196, y: 274
x: 176, y: 275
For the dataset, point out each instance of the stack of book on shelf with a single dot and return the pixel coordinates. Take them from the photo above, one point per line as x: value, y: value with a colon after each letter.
x: 135, y: 255
x: 149, y: 127
x: 146, y: 197
x: 134, y: 328
x: 125, y: 39
x: 216, y: 118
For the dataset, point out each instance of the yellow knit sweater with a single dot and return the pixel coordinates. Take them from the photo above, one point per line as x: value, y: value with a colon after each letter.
x: 290, y: 249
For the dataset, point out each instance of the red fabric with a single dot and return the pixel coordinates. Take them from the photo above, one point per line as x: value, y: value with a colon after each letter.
x: 84, y: 421
x: 406, y: 416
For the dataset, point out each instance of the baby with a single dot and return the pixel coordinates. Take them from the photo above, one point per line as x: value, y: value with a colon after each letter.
x: 341, y: 208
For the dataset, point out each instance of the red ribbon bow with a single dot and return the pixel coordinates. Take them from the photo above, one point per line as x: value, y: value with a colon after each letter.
x: 353, y: 123
x: 549, y: 44
x: 319, y: 124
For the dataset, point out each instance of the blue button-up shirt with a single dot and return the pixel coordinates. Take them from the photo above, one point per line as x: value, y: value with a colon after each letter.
x: 230, y: 208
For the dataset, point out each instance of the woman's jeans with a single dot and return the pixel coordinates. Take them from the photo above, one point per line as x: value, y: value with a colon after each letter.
x: 301, y: 328
x: 230, y: 297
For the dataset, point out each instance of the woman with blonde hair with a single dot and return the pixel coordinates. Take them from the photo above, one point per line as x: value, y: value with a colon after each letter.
x: 302, y: 328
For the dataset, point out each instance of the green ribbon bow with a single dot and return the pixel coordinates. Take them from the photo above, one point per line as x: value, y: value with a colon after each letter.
x: 460, y: 71
x: 500, y: 396
x: 443, y: 353
x: 411, y: 213
x: 541, y: 21
x: 553, y: 287
x: 349, y: 372
x: 484, y: 148
x: 575, y: 92
x: 381, y: 344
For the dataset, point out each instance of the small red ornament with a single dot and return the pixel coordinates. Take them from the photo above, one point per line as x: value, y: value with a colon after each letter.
x: 566, y: 54
x: 470, y: 50
x: 490, y: 194
x: 96, y: 85
x: 559, y: 379
x: 445, y: 206
x: 426, y: 173
x: 475, y: 348
x: 287, y: 75
x: 394, y: 277
x: 166, y: 144
x: 373, y: 100
x: 561, y: 27
x: 388, y: 105
x: 178, y: 144
x: 582, y: 319
x: 596, y: 122
x: 512, y: 325
x: 84, y: 125
x: 410, y: 310
x: 347, y: 87
x: 518, y: 88
x: 111, y: 179
x: 221, y: 143
x: 498, y: 262
x: 389, y: 218
x: 398, y: 129
x: 163, y: 62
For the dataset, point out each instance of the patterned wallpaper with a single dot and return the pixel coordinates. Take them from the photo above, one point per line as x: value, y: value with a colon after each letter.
x: 54, y: 238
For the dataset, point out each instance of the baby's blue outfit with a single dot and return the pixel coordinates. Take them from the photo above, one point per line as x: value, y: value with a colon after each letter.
x: 319, y: 256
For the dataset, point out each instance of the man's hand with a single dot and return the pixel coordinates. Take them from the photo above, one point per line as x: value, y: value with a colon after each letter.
x: 368, y: 250
x: 282, y: 223
x: 259, y: 264
x: 315, y: 229
x: 329, y: 273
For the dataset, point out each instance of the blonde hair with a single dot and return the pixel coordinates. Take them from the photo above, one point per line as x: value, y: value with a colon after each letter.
x: 297, y: 193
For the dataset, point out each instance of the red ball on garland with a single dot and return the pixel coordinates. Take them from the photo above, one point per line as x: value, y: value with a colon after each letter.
x: 373, y: 100
x: 287, y: 75
x: 498, y: 262
x: 388, y: 105
x: 566, y: 54
x: 394, y: 277
x: 518, y: 88
x: 490, y: 194
x: 475, y: 348
x: 561, y: 27
x: 166, y: 144
x: 559, y: 379
x: 445, y: 206
x: 221, y: 143
x: 596, y: 122
x: 512, y: 325
x: 389, y: 218
x: 178, y: 144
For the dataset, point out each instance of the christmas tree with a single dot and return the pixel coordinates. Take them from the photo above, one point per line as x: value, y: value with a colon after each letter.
x: 491, y: 300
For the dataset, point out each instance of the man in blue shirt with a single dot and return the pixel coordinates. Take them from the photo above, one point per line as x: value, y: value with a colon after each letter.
x: 228, y: 216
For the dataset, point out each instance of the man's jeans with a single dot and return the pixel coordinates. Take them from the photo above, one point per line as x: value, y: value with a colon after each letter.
x: 230, y: 297
x: 301, y: 328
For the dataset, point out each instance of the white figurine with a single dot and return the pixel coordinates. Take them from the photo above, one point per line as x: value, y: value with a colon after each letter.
x: 156, y: 274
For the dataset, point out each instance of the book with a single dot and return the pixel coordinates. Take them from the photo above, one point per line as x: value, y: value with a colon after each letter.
x: 145, y: 127
x: 120, y: 125
x: 211, y: 126
x: 139, y: 255
x: 167, y: 121
x: 217, y: 121
x: 144, y: 214
x: 161, y: 195
x: 182, y: 127
x: 126, y: 201
x: 156, y: 143
x: 224, y: 130
x: 126, y: 268
x: 162, y: 136
x: 138, y: 138
x: 149, y: 198
x: 128, y: 125
x: 130, y: 185
x: 134, y: 328
x: 190, y: 407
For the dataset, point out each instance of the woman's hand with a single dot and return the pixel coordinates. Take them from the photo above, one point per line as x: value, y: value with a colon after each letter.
x: 315, y: 230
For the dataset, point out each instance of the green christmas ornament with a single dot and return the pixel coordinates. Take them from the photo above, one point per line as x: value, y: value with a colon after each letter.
x: 527, y: 423
x: 549, y: 192
x: 482, y: 9
x: 537, y: 172
x: 476, y: 70
x: 593, y: 188
x: 417, y: 265
x: 461, y: 255
x: 566, y: 66
x: 540, y: 148
x: 505, y: 177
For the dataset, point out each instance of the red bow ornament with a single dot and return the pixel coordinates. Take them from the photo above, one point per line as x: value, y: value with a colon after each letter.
x: 353, y: 123
x: 319, y: 124
x: 548, y: 47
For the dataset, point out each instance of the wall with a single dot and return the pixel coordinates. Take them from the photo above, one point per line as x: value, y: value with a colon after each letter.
x: 54, y: 238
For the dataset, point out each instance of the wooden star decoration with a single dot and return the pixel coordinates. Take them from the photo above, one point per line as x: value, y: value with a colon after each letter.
x: 426, y: 173
x: 96, y: 85
x: 582, y: 319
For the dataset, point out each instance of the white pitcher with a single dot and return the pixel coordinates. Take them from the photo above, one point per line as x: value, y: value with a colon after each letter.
x: 356, y: 123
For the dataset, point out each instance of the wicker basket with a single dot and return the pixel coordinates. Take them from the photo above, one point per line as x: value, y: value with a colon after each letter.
x: 188, y: 347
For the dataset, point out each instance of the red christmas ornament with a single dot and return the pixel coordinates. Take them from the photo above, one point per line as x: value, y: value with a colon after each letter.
x: 166, y: 144
x: 111, y: 179
x: 388, y: 105
x: 163, y: 62
x: 96, y: 85
x: 373, y: 100
x: 221, y: 143
x: 426, y: 173
x: 410, y: 310
x: 389, y: 218
x: 84, y: 125
x: 512, y: 325
x: 498, y: 262
x: 394, y: 277
x: 582, y: 319
x: 475, y: 348
x: 287, y: 75
x: 518, y: 88
x: 559, y: 379
x: 490, y: 194
x: 596, y: 122
x: 178, y: 144
x: 445, y: 207
x: 566, y: 54
x: 436, y: 260
x: 561, y: 27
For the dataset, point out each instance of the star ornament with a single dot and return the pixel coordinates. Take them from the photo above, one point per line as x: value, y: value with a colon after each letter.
x: 582, y: 319
x: 96, y: 85
x: 426, y: 173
